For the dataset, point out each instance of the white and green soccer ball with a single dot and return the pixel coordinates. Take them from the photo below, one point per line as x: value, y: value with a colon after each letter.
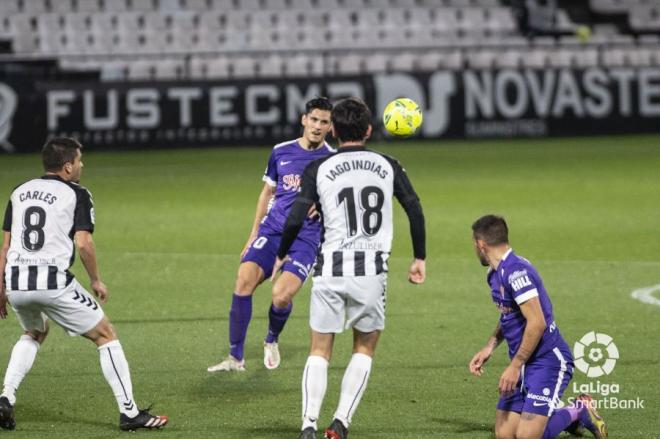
x: 402, y: 117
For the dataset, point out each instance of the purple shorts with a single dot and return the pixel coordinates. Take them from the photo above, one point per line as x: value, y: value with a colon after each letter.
x: 263, y: 252
x: 542, y: 383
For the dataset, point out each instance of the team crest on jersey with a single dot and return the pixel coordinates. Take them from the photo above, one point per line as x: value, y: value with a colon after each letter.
x: 291, y: 182
x: 519, y: 279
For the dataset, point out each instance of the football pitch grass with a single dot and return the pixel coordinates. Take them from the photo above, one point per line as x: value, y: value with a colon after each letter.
x: 170, y: 227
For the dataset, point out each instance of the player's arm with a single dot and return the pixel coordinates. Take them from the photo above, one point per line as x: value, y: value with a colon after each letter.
x: 307, y: 197
x: 83, y: 224
x: 87, y: 251
x: 407, y: 197
x: 534, y: 328
x: 6, y: 240
x: 266, y: 194
x: 481, y: 357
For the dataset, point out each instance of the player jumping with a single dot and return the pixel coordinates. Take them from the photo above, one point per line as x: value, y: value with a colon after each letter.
x: 282, y: 180
x: 45, y: 218
x: 541, y: 362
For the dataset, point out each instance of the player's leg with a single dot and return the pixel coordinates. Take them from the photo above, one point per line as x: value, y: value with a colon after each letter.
x: 294, y: 273
x: 365, y: 310
x: 23, y: 354
x: 315, y: 378
x: 117, y: 374
x: 256, y: 265
x: 75, y: 310
x: 286, y: 286
x: 506, y: 423
x: 354, y: 383
x: 326, y: 318
x: 250, y: 275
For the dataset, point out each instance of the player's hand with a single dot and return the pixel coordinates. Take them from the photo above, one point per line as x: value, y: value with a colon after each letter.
x: 3, y: 301
x: 100, y: 290
x: 417, y: 272
x: 279, y: 263
x: 509, y: 380
x: 478, y: 361
x: 313, y: 213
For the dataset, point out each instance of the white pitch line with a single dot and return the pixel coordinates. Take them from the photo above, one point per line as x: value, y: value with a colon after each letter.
x: 646, y: 295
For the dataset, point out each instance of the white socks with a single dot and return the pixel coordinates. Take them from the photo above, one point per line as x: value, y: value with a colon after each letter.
x: 314, y: 383
x: 115, y: 370
x: 352, y: 387
x: 20, y: 363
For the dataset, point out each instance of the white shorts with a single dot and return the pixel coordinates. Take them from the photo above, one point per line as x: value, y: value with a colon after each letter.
x: 72, y: 307
x: 340, y: 303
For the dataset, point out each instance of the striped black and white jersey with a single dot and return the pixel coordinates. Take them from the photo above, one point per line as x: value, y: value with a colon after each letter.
x: 353, y: 190
x: 42, y: 216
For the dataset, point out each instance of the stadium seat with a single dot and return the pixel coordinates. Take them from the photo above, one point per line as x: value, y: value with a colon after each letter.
x: 350, y: 64
x: 403, y: 61
x: 645, y: 19
x: 219, y: 68
x: 89, y: 6
x: 141, y: 70
x: 9, y: 7
x: 244, y: 67
x: 142, y: 5
x: 115, y: 70
x: 270, y: 67
x: 169, y: 69
x: 376, y: 63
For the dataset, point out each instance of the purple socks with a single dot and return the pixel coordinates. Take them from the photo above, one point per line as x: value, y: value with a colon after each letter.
x: 277, y: 318
x: 239, y: 320
x: 559, y: 421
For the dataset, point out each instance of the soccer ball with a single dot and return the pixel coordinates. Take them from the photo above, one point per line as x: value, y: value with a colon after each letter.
x: 402, y: 117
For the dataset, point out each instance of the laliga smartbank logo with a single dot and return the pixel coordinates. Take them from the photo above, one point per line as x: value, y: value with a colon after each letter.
x: 595, y: 356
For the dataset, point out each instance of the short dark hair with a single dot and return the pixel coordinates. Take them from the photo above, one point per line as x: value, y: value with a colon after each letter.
x: 492, y: 229
x: 318, y: 103
x: 351, y: 119
x: 58, y: 151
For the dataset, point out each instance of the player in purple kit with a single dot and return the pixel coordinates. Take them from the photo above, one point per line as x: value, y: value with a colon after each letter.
x: 541, y: 361
x: 282, y: 183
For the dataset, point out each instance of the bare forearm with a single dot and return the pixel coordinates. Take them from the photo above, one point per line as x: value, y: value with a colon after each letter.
x: 531, y: 337
x: 261, y: 210
x: 496, y: 338
x: 88, y: 258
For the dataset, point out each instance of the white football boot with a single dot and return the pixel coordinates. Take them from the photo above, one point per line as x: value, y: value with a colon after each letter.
x: 229, y: 364
x: 271, y: 356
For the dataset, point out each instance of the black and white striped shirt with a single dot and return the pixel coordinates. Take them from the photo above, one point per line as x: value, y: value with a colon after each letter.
x: 43, y: 216
x: 353, y: 190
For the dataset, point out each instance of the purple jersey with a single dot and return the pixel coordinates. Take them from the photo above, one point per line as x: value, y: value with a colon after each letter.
x: 285, y: 168
x: 515, y: 282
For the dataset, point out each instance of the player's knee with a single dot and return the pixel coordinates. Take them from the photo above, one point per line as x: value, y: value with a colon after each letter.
x: 246, y: 283
x: 505, y: 432
x: 282, y: 295
x: 38, y: 336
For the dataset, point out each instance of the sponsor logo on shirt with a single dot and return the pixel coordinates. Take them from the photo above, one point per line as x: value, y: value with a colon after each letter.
x: 519, y: 280
x: 291, y: 182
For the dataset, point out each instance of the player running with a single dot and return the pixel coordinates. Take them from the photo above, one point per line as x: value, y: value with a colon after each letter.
x: 282, y: 180
x: 45, y: 218
x: 353, y: 189
x: 541, y: 361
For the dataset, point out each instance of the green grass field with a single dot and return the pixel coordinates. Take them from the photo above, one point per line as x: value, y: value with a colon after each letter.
x: 170, y: 226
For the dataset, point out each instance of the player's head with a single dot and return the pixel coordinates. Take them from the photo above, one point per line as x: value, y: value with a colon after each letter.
x: 487, y: 232
x: 316, y: 120
x: 351, y: 121
x: 62, y: 156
